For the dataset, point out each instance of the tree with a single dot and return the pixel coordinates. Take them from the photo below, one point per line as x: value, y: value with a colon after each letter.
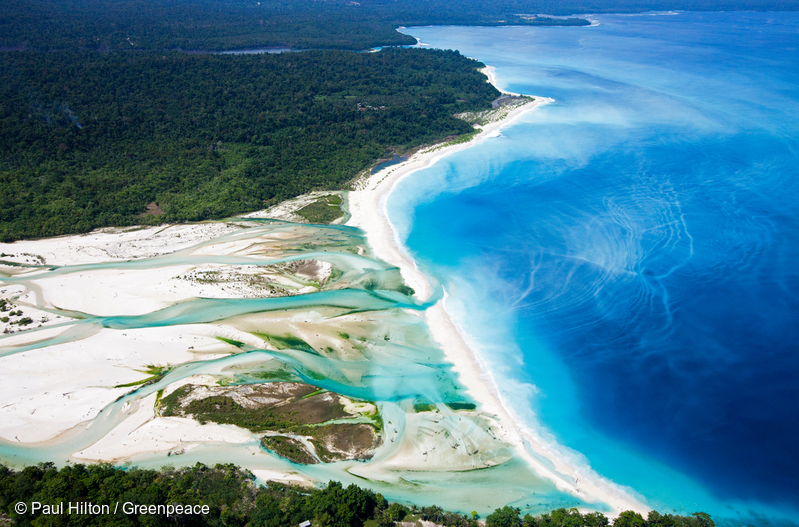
x: 567, y: 518
x: 704, y: 519
x: 629, y: 519
x: 505, y: 517
x: 655, y: 519
x: 595, y: 519
x: 396, y: 512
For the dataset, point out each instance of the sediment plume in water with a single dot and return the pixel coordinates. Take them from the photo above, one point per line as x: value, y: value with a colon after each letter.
x: 124, y: 321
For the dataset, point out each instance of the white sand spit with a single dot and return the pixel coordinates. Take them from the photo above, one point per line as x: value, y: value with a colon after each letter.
x: 289, y: 478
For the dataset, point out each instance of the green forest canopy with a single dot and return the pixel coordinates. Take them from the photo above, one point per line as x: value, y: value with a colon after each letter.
x: 89, y: 139
x: 101, y: 125
x: 299, y: 24
x: 233, y: 499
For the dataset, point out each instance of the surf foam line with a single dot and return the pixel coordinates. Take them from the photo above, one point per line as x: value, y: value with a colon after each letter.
x: 368, y: 207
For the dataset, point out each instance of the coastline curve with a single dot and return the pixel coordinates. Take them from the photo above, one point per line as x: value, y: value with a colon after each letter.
x: 368, y: 206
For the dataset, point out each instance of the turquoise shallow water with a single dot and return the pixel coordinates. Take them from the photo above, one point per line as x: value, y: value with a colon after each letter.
x: 626, y: 256
x: 374, y: 347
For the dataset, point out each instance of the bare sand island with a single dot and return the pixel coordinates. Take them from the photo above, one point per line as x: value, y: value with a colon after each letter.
x: 368, y: 209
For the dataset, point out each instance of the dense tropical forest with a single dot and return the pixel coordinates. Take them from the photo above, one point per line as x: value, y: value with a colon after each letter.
x: 233, y: 499
x: 104, y: 121
x: 229, y: 24
x: 299, y: 24
x: 92, y: 139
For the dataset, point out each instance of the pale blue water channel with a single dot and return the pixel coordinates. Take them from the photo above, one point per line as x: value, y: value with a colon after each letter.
x: 401, y: 365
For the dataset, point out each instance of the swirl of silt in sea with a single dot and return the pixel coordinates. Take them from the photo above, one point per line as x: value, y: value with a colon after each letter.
x: 358, y: 332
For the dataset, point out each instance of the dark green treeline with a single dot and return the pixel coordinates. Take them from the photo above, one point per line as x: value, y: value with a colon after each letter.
x: 234, y: 24
x: 509, y: 517
x: 233, y: 500
x: 299, y: 24
x: 89, y: 139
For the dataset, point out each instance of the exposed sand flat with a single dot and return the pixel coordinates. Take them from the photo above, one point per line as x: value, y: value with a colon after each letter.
x: 107, y: 292
x: 19, y: 299
x: 122, y: 289
x: 448, y: 441
x: 368, y: 208
x: 117, y: 292
x: 41, y: 396
x: 45, y: 392
x: 123, y: 243
x: 289, y: 478
x: 144, y: 432
x: 287, y: 210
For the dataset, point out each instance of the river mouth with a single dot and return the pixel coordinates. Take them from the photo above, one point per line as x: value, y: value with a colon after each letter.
x: 138, y: 313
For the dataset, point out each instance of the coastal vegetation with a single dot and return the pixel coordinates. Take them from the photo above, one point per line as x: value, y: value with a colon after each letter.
x: 326, y: 209
x: 234, y: 499
x: 9, y: 316
x: 282, y: 279
x: 156, y: 373
x: 297, y: 24
x: 106, y: 121
x: 99, y: 139
x: 289, y: 448
x: 426, y: 406
x: 500, y: 108
x: 335, y: 428
x: 236, y: 24
x: 509, y: 517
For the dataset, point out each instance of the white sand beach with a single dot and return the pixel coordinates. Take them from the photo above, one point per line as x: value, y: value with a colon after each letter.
x: 368, y: 203
x: 40, y: 400
x: 368, y: 208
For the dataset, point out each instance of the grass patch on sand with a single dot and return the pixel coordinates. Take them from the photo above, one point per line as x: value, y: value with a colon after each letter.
x: 326, y: 209
x: 282, y: 410
x: 427, y: 406
x: 289, y: 448
x: 287, y: 342
x: 156, y: 374
x: 232, y: 342
x: 301, y: 405
x: 462, y: 406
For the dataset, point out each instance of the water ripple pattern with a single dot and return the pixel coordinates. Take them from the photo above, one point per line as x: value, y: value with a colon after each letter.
x: 626, y: 257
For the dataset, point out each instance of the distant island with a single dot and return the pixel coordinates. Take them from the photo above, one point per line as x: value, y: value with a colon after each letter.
x: 220, y: 25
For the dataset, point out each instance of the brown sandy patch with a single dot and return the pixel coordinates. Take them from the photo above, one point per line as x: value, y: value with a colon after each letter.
x: 152, y: 210
x: 346, y: 441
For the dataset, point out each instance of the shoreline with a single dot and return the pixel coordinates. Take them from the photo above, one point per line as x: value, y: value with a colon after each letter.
x: 368, y: 206
x: 140, y: 431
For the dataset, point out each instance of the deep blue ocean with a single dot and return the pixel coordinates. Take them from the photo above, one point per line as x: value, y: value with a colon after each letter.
x: 627, y: 258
